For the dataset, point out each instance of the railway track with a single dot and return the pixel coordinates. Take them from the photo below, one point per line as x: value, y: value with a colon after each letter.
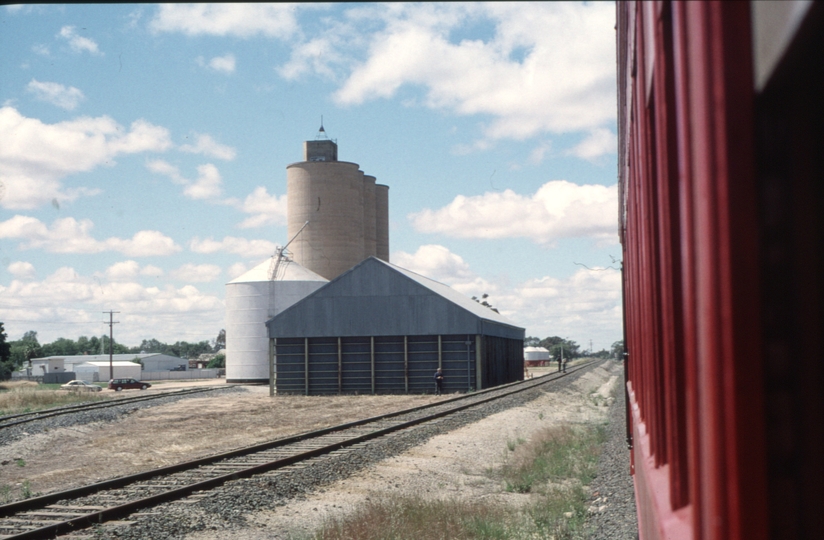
x: 60, y: 513
x: 23, y: 418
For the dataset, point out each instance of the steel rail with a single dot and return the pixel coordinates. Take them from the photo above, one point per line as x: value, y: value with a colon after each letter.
x: 48, y: 413
x: 107, y: 514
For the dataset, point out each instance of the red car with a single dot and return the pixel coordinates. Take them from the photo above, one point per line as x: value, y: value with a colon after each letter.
x: 120, y: 384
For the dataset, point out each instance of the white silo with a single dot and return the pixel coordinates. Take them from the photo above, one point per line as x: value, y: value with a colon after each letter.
x: 536, y: 356
x: 251, y: 300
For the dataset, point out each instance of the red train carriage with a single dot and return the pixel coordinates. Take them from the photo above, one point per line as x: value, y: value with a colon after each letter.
x: 721, y: 160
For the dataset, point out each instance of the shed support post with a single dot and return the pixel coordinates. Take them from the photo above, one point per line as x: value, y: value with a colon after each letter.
x: 340, y: 367
x: 306, y: 365
x: 478, y: 356
x: 440, y: 352
x: 272, y: 345
x: 406, y: 364
x: 372, y: 359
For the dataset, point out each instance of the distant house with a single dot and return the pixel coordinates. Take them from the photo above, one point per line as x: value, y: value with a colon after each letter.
x: 85, y: 365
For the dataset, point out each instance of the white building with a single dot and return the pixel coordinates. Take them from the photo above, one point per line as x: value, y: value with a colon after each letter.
x: 60, y: 364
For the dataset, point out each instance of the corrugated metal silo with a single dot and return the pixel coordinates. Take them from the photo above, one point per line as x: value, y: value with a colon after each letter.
x: 251, y: 300
x: 536, y: 356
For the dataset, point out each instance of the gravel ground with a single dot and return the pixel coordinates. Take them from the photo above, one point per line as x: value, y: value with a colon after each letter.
x: 448, y: 458
x: 292, y: 503
x: 12, y: 434
x: 612, y: 512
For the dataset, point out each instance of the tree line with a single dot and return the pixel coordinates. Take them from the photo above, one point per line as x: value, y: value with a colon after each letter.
x: 15, y: 354
x: 571, y: 349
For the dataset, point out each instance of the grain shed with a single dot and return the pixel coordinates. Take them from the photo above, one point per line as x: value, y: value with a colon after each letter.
x: 379, y: 328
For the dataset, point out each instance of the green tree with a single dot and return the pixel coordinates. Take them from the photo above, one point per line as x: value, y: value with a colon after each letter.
x: 152, y: 346
x: 531, y: 341
x: 220, y: 341
x: 617, y: 350
x: 6, y: 365
x: 60, y: 347
x: 218, y: 361
x: 555, y: 344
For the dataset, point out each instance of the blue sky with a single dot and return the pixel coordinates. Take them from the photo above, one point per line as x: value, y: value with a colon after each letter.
x: 143, y: 152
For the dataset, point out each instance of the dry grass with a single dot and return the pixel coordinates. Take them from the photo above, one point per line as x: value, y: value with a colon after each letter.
x: 553, y: 467
x: 412, y: 518
x: 27, y: 396
x: 554, y: 454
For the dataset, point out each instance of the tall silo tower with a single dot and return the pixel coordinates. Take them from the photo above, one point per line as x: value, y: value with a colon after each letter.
x: 348, y: 213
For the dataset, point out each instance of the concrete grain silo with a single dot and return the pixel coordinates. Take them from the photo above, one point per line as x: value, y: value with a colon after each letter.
x: 251, y: 300
x: 382, y: 222
x: 370, y: 233
x: 347, y: 213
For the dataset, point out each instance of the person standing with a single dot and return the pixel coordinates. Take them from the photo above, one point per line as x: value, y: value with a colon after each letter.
x: 438, y: 382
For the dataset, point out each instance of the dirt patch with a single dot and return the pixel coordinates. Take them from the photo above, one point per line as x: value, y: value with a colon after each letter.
x: 172, y: 433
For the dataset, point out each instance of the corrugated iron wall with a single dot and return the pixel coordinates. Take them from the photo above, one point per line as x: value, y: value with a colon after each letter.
x: 503, y: 361
x: 394, y: 364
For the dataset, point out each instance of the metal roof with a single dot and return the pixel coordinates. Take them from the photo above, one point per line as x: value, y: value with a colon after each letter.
x: 73, y: 359
x: 376, y: 298
x: 287, y: 270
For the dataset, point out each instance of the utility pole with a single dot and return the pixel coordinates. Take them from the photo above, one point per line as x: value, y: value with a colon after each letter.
x: 111, y: 340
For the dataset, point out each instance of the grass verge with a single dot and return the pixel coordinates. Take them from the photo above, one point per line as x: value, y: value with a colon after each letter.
x: 554, y: 467
x: 25, y: 397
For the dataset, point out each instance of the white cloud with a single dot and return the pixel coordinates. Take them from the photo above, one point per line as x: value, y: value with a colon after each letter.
x: 79, y: 44
x: 586, y: 305
x: 229, y: 244
x: 197, y: 273
x: 222, y: 64
x: 123, y: 271
x: 56, y: 94
x: 67, y: 235
x: 548, y: 67
x: 265, y: 209
x: 600, y: 141
x: 435, y: 262
x: 206, y: 145
x: 559, y: 209
x: 438, y: 263
x: 239, y: 20
x: 151, y: 271
x: 35, y: 157
x: 21, y: 270
x: 583, y: 306
x: 207, y: 185
x: 236, y: 270
x: 165, y: 313
x: 42, y: 50
x: 538, y: 153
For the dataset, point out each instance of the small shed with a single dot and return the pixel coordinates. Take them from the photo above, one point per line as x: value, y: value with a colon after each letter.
x: 379, y: 328
x: 99, y: 371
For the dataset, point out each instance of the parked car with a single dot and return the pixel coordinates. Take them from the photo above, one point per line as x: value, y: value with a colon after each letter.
x: 121, y: 384
x: 80, y: 386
